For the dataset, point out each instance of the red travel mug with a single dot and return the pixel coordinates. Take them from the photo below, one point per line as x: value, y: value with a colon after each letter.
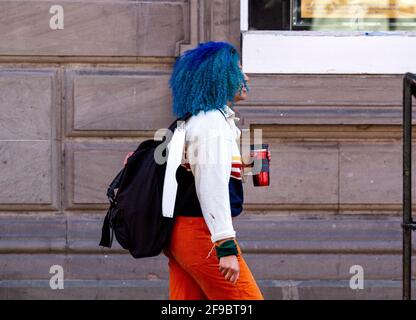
x: 262, y: 178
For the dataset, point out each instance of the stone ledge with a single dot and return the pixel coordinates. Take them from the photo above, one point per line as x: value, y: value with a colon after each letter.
x: 336, y: 234
x: 158, y: 289
x: 321, y: 115
x: 280, y: 266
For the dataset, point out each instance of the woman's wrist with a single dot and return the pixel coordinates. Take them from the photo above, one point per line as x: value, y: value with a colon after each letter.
x: 248, y: 165
x: 223, y: 240
x: 226, y: 248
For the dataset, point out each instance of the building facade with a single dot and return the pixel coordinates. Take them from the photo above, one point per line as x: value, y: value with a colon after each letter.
x: 83, y: 83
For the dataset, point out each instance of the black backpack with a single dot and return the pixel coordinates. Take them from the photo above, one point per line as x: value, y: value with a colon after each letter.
x: 135, y: 212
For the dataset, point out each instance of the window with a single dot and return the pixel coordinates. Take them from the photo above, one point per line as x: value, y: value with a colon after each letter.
x: 328, y: 36
x: 269, y: 15
x: 331, y: 15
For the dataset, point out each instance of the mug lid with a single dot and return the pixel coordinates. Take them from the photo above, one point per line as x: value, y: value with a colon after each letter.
x: 259, y: 146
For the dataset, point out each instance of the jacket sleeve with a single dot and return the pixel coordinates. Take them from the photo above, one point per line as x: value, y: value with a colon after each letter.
x: 210, y: 158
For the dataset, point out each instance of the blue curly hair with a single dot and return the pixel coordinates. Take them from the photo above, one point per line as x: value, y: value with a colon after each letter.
x: 205, y: 78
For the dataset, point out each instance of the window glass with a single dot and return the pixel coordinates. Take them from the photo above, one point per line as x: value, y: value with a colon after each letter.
x: 333, y: 15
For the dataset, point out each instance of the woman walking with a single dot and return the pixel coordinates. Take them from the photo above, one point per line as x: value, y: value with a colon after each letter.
x: 207, y: 81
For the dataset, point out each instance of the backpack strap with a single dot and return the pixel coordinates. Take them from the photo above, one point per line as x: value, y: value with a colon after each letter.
x: 114, y: 185
x: 107, y: 233
x: 170, y: 185
x: 222, y: 113
x: 183, y: 118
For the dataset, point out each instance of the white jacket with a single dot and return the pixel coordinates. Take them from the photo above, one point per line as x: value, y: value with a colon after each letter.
x: 209, y: 145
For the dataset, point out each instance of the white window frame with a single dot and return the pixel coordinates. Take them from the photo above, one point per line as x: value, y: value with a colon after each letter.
x: 309, y: 52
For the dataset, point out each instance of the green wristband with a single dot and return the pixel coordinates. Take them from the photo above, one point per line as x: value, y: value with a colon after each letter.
x: 227, y: 248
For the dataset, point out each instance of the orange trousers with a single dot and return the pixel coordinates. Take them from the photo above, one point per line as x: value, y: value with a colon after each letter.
x: 194, y: 267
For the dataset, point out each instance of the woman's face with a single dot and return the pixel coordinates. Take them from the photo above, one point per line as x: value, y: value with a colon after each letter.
x: 243, y: 95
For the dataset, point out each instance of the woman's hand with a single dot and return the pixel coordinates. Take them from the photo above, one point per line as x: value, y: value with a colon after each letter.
x: 230, y: 268
x: 127, y: 156
x: 269, y: 156
x: 253, y: 154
